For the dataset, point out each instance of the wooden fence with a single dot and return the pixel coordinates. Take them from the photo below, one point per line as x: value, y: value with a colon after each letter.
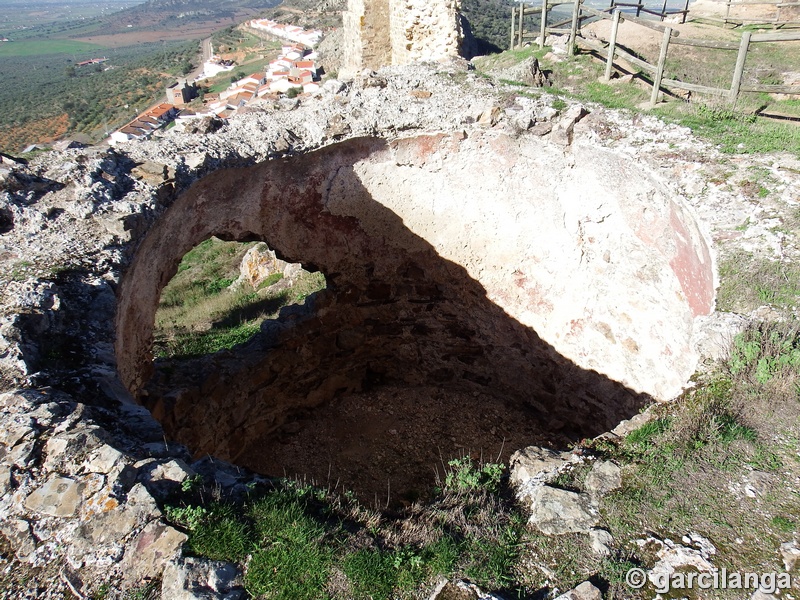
x: 610, y: 50
x: 663, y: 13
x: 776, y: 21
x: 540, y: 29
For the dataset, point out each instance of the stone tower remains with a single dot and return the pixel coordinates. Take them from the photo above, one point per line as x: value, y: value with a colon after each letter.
x: 398, y: 32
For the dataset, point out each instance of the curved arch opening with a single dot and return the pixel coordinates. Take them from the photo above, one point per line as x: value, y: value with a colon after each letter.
x: 221, y: 295
x: 534, y: 302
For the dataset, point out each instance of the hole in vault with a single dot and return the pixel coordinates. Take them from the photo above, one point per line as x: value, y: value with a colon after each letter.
x: 461, y: 315
x: 221, y: 295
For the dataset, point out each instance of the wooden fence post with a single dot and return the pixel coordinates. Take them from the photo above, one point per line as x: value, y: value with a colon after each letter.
x: 685, y: 12
x: 612, y: 44
x: 543, y: 25
x: 662, y: 58
x: 513, y: 29
x: 573, y: 31
x: 521, y: 29
x: 727, y: 12
x: 739, y: 69
x: 664, y: 10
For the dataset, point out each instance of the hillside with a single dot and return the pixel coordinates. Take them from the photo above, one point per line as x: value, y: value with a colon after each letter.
x: 46, y: 96
x: 489, y: 21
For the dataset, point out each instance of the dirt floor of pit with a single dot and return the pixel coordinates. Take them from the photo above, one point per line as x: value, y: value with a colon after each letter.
x: 393, y: 442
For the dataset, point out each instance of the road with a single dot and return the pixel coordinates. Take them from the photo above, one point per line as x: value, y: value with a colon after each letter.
x: 205, y: 46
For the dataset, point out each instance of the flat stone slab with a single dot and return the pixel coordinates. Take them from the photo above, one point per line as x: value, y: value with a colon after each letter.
x: 555, y: 511
x: 604, y: 477
x: 58, y: 497
x: 585, y: 591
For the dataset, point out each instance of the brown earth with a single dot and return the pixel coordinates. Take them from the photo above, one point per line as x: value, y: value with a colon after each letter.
x: 131, y: 38
x: 44, y: 130
x: 420, y: 429
x: 118, y: 34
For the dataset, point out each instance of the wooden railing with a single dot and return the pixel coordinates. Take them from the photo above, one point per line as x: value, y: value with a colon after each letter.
x: 670, y: 36
x: 775, y: 22
x: 664, y: 13
x: 610, y: 50
x: 520, y: 34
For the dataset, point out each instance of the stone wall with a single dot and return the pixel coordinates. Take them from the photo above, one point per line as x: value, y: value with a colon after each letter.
x: 424, y: 30
x: 399, y: 32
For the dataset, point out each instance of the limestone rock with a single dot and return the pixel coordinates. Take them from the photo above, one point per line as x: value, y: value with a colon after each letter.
x: 790, y: 554
x: 601, y: 541
x: 65, y: 451
x: 18, y: 532
x: 534, y: 466
x: 201, y: 579
x: 19, y: 427
x: 152, y: 172
x: 604, y: 477
x: 337, y: 127
x: 148, y: 553
x: 163, y: 478
x: 23, y: 454
x: 489, y: 117
x: 5, y: 479
x: 563, y: 132
x: 635, y: 422
x: 673, y: 557
x: 58, y: 497
x: 555, y: 511
x: 714, y: 334
x: 585, y: 591
x: 459, y: 590
x: 104, y: 459
x: 703, y: 544
x: 257, y: 265
x: 527, y: 71
x: 113, y: 521
x: 541, y: 129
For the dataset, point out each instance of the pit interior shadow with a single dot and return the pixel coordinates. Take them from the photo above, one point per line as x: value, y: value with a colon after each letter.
x: 401, y: 363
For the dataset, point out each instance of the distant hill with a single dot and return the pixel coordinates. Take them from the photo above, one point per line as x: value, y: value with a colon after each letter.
x: 168, y: 15
x: 490, y: 21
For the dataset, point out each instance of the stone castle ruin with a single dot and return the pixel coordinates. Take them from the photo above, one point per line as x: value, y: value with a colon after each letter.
x: 536, y: 274
x: 398, y: 32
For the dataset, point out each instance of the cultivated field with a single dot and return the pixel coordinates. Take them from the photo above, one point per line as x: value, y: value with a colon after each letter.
x: 33, y: 48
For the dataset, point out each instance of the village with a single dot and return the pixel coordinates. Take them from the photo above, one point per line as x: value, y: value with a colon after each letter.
x: 293, y: 72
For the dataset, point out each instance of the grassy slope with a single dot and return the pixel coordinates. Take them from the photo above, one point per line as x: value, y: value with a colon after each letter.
x: 733, y: 131
x: 200, y: 313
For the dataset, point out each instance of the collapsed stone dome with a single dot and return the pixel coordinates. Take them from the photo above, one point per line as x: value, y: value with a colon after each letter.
x: 567, y: 282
